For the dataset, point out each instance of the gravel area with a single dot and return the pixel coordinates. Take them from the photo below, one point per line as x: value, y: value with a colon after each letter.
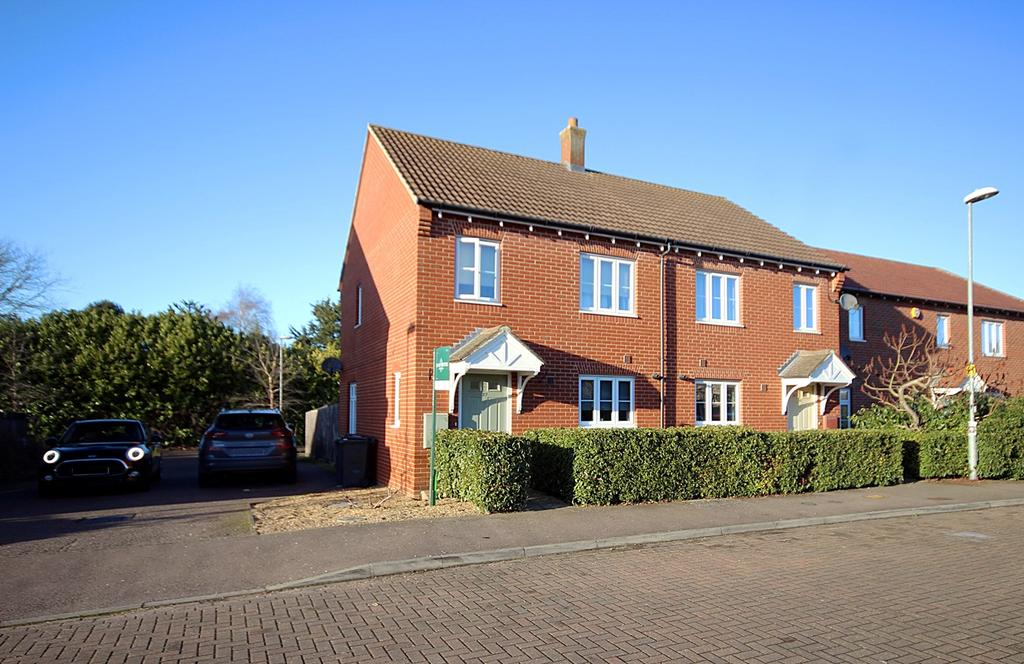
x: 349, y: 507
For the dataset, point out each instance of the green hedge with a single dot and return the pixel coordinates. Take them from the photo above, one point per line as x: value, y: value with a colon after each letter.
x: 1001, y: 441
x: 490, y: 470
x: 934, y: 454
x: 605, y: 466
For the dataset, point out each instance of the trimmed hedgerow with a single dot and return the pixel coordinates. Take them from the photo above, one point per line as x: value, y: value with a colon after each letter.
x: 934, y: 454
x: 604, y: 466
x: 1001, y: 441
x: 489, y: 469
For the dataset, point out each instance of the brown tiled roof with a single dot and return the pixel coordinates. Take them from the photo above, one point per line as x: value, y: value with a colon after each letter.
x: 462, y: 177
x: 917, y: 282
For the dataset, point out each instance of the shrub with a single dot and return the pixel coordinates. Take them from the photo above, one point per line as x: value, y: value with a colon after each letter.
x: 939, y: 454
x: 489, y: 469
x: 1001, y: 441
x: 604, y: 466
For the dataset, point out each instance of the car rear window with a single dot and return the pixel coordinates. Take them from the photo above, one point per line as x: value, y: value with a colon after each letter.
x: 248, y: 421
x: 103, y: 432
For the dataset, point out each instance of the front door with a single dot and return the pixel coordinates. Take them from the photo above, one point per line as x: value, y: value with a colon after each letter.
x: 484, y: 402
x: 802, y: 413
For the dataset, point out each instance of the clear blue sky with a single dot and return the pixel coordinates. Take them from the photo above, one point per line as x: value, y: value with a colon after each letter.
x: 160, y: 151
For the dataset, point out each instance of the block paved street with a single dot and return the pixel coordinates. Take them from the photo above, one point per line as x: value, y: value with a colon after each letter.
x: 940, y: 588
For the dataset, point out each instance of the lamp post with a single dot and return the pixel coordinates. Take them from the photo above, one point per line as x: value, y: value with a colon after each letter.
x: 975, y: 196
x: 280, y: 372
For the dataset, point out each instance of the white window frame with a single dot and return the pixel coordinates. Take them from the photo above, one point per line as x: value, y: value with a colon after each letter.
x: 803, y: 327
x: 844, y: 400
x: 849, y: 323
x: 708, y: 296
x: 595, y: 422
x: 986, y: 339
x: 461, y: 243
x: 595, y: 304
x: 707, y: 385
x: 397, y: 421
x: 352, y: 405
x: 359, y: 305
x: 948, y: 329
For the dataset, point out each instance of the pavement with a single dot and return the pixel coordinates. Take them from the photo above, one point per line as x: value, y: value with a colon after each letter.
x: 944, y: 587
x: 62, y: 575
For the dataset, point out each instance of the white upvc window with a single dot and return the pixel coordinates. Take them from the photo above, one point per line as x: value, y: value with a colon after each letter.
x: 397, y: 421
x: 856, y: 320
x: 607, y: 285
x: 359, y: 305
x: 844, y: 408
x: 607, y: 401
x: 718, y: 298
x: 805, y: 308
x: 991, y: 338
x: 477, y: 269
x: 352, y: 408
x: 718, y: 402
x: 942, y: 335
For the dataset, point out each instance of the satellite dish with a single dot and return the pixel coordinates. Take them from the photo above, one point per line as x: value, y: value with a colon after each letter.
x: 848, y: 301
x: 331, y: 365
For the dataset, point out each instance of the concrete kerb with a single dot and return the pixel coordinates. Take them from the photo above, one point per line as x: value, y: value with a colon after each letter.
x: 444, y: 561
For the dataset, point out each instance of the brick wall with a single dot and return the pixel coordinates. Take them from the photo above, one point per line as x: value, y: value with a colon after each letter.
x: 882, y: 315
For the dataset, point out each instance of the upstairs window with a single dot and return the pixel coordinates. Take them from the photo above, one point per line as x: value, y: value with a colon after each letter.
x: 942, y: 331
x: 805, y: 309
x: 991, y: 338
x: 718, y: 402
x: 606, y: 285
x: 606, y: 401
x: 476, y: 269
x: 856, y: 320
x: 718, y: 298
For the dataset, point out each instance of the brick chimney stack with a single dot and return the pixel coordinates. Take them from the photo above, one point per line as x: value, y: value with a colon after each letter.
x: 572, y: 146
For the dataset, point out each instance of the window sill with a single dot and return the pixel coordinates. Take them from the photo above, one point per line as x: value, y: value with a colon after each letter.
x: 607, y: 425
x: 486, y: 303
x: 1001, y: 356
x: 808, y: 332
x: 718, y: 424
x: 720, y: 324
x: 860, y: 341
x: 613, y: 314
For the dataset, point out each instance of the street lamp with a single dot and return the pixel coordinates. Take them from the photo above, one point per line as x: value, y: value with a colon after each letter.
x: 975, y: 196
x: 280, y: 372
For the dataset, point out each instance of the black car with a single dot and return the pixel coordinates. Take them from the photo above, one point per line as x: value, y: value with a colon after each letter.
x: 120, y: 452
x: 247, y: 441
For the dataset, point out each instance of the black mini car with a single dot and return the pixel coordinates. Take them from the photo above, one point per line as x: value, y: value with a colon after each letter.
x: 101, y: 452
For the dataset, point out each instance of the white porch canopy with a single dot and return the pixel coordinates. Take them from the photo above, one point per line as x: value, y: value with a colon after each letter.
x: 494, y: 349
x: 814, y: 367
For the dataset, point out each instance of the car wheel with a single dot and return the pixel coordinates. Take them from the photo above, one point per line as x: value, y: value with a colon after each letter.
x: 291, y: 475
x: 205, y: 480
x: 157, y: 475
x: 46, y: 490
x: 143, y: 485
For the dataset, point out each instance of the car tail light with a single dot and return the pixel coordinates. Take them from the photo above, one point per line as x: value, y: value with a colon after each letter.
x: 280, y: 432
x: 215, y: 434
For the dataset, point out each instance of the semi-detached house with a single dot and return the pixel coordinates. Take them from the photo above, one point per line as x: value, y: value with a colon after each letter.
x: 570, y: 297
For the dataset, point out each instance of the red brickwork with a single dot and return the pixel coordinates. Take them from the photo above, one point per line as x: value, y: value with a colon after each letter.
x: 882, y: 315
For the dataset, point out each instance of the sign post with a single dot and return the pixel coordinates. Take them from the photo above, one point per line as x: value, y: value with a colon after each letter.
x: 440, y: 373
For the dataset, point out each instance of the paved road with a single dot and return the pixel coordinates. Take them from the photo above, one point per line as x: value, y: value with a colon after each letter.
x: 936, y: 588
x: 104, y: 529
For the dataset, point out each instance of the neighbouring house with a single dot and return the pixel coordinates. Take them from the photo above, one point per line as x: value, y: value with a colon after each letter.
x: 931, y: 303
x: 570, y: 297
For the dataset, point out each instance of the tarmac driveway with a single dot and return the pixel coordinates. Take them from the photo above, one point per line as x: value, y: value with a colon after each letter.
x: 38, y: 535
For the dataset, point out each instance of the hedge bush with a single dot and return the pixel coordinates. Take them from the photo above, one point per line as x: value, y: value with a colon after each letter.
x: 489, y: 469
x: 934, y: 454
x: 1001, y: 441
x: 605, y: 466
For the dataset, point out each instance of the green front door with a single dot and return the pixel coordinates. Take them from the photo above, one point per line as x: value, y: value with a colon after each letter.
x: 485, y: 400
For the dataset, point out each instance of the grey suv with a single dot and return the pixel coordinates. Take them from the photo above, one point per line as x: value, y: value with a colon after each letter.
x: 247, y: 441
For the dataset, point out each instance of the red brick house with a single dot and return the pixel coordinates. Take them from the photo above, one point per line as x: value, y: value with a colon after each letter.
x: 570, y: 297
x: 893, y: 296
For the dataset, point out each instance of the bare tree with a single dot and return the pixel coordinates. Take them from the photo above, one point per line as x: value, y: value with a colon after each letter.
x: 24, y: 280
x: 911, y: 369
x: 248, y: 312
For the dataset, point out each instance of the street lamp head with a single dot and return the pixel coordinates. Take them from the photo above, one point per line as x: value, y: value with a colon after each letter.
x: 980, y: 195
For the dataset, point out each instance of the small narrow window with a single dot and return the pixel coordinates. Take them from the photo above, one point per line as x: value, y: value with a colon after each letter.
x: 352, y: 408
x: 856, y: 320
x: 718, y: 402
x: 805, y: 315
x: 942, y: 331
x: 397, y: 422
x: 359, y: 305
x: 606, y: 284
x: 717, y: 298
x: 476, y: 269
x: 991, y: 338
x: 844, y: 408
x: 606, y: 401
